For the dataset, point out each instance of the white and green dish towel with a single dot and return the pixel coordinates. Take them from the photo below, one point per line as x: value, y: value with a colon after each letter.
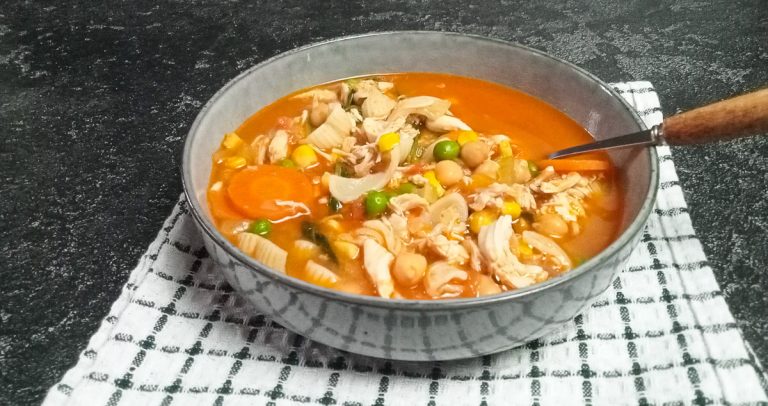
x: 661, y: 335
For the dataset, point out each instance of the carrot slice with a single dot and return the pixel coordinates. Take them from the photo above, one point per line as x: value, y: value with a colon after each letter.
x: 271, y: 192
x: 575, y: 165
x: 220, y: 206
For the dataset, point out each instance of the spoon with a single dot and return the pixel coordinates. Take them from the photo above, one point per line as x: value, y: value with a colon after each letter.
x: 739, y: 116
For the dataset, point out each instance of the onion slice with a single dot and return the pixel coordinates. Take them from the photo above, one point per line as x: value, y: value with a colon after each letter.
x: 346, y: 190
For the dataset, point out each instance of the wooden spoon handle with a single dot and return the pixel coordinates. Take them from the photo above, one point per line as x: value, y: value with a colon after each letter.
x: 736, y: 117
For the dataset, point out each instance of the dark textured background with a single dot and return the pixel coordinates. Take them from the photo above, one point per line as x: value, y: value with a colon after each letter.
x: 96, y: 98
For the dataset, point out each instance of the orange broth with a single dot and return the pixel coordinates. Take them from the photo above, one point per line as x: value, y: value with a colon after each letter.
x: 534, y: 126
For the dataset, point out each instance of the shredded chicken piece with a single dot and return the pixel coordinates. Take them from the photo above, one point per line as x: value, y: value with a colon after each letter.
x: 451, y: 212
x: 355, y: 115
x: 451, y: 250
x: 447, y: 123
x: 494, y: 194
x: 418, y: 180
x: 377, y: 261
x: 362, y: 158
x: 493, y: 241
x: 543, y: 176
x: 399, y: 225
x: 278, y: 147
x: 560, y: 184
x: 321, y: 95
x: 437, y: 281
x: 569, y: 203
x: 374, y: 128
x: 406, y: 202
x: 427, y: 106
x: 260, y: 145
x: 348, y: 144
x: 475, y: 258
x: 367, y: 87
x: 383, y: 232
x: 377, y: 106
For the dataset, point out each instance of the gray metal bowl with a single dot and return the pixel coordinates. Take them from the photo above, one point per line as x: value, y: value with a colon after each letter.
x: 411, y: 329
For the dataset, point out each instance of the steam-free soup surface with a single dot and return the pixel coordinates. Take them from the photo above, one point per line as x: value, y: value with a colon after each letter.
x: 413, y: 185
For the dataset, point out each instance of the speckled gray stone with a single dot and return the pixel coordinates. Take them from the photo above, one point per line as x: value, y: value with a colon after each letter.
x: 95, y: 100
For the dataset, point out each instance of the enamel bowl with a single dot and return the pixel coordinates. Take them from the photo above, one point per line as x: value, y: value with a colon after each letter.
x: 409, y: 329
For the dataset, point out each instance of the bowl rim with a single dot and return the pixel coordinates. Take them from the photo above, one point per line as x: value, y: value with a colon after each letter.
x: 205, y: 225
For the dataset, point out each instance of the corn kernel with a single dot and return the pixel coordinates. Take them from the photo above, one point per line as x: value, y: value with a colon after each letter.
x: 231, y: 141
x: 433, y: 183
x: 304, y: 156
x: 480, y: 181
x: 480, y: 219
x: 388, y: 141
x: 524, y: 249
x: 234, y: 162
x: 466, y: 136
x: 505, y: 149
x: 511, y: 208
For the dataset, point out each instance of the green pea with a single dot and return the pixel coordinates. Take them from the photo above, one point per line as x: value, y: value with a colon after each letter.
x: 406, y: 187
x: 375, y: 203
x: 287, y: 163
x: 334, y: 205
x: 261, y: 227
x: 446, y: 150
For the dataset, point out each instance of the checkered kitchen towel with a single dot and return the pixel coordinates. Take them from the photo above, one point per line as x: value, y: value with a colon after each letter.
x: 662, y: 334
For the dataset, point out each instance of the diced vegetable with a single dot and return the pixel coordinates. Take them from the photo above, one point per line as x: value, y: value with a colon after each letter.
x: 220, y: 204
x: 342, y: 169
x: 235, y: 162
x: 511, y: 208
x: 513, y: 170
x: 287, y: 163
x: 417, y: 150
x: 375, y: 203
x: 505, y: 149
x: 271, y: 192
x: 433, y: 186
x: 524, y: 249
x: 304, y: 156
x: 406, y: 187
x: 334, y: 205
x: 261, y: 227
x: 311, y: 233
x: 231, y: 141
x: 465, y: 137
x: 479, y: 219
x: 349, y: 189
x: 446, y: 149
x: 575, y: 165
x: 480, y: 181
x: 388, y: 141
x: 533, y: 168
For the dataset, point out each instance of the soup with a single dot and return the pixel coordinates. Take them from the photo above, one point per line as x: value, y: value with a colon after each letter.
x: 414, y: 186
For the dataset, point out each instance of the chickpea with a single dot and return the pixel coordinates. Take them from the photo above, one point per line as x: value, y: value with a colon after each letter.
x: 488, y: 168
x: 486, y: 286
x: 474, y: 153
x: 319, y: 114
x: 448, y: 173
x: 551, y: 224
x: 409, y: 268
